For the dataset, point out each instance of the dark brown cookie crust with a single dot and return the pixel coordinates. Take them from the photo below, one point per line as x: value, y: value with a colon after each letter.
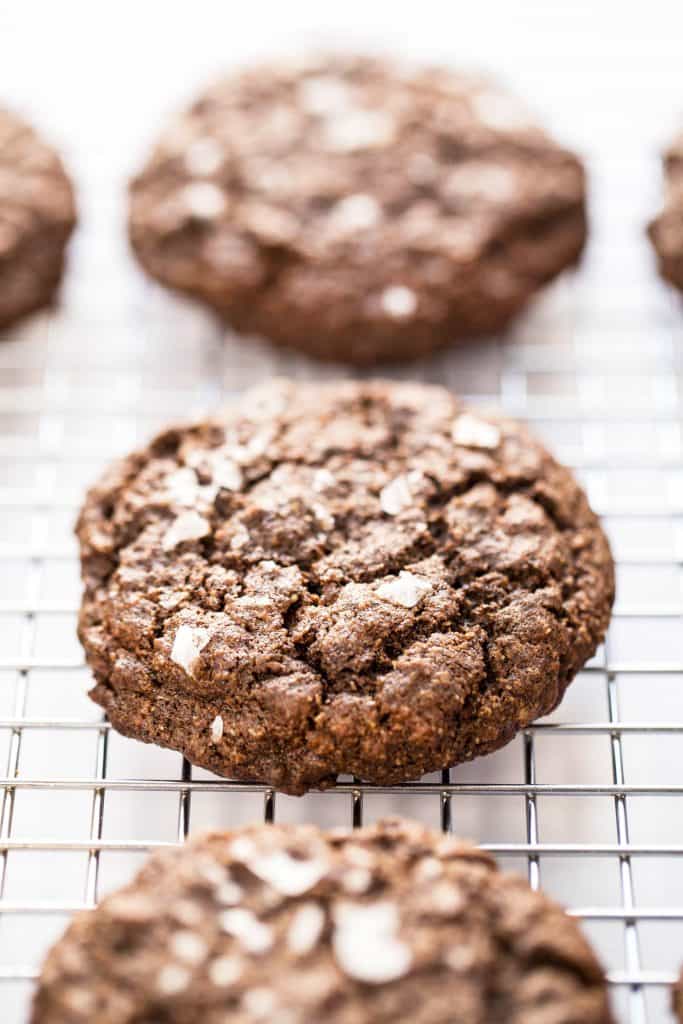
x: 37, y: 216
x: 666, y: 230
x: 342, y: 578
x: 292, y: 925
x: 358, y: 211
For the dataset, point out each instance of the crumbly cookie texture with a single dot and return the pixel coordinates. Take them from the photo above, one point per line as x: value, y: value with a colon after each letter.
x: 338, y: 578
x: 666, y: 230
x: 37, y: 216
x: 358, y: 210
x: 289, y: 925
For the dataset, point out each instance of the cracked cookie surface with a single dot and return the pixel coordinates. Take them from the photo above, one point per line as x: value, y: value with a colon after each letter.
x: 357, y: 210
x: 37, y: 216
x: 290, y: 925
x: 359, y: 578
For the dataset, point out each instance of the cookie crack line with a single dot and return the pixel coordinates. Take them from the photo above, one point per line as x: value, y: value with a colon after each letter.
x: 438, y: 577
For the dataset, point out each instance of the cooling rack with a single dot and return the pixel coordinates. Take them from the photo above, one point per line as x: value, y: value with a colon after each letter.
x: 588, y: 803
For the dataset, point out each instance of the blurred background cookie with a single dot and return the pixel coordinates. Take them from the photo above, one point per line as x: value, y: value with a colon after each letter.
x: 291, y: 925
x: 357, y: 210
x: 37, y: 216
x: 666, y: 230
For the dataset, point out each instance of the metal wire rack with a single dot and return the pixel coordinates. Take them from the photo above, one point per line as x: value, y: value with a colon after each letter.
x: 589, y: 803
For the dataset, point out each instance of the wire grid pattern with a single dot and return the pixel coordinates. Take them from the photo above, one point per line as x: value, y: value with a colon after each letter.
x: 588, y: 803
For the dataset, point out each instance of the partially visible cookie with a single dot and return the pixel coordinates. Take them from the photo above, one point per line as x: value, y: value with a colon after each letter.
x: 361, y: 578
x: 37, y: 216
x: 292, y: 925
x: 357, y: 210
x: 677, y: 998
x: 666, y: 230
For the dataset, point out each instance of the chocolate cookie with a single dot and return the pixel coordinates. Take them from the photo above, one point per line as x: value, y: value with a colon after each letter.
x: 357, y: 210
x: 339, y: 578
x: 292, y: 925
x: 37, y: 216
x: 677, y: 998
x: 666, y: 231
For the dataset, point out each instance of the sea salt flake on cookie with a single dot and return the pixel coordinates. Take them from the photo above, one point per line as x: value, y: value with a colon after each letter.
x: 358, y: 212
x: 370, y: 961
x: 286, y: 874
x: 406, y: 590
x: 323, y: 95
x: 217, y: 729
x: 460, y: 958
x: 204, y: 157
x: 244, y: 926
x: 242, y: 848
x: 356, y: 880
x: 398, y: 302
x: 188, y: 644
x: 260, y: 1003
x: 254, y: 601
x: 428, y: 869
x: 228, y: 894
x: 446, y: 899
x: 240, y: 538
x: 380, y: 917
x: 257, y: 445
x: 189, y: 947
x: 359, y: 129
x: 305, y: 928
x: 358, y: 855
x: 366, y: 945
x: 203, y: 200
x: 323, y: 515
x: 225, y: 971
x: 172, y: 979
x: 227, y: 474
x: 187, y: 526
x: 471, y: 432
x: 182, y: 486
x: 322, y: 480
x: 396, y: 496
